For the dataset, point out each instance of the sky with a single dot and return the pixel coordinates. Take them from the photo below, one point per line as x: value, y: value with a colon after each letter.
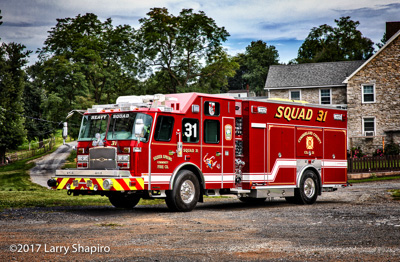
x: 281, y: 23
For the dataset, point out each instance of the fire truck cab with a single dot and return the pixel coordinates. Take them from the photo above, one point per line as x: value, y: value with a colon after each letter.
x: 181, y: 147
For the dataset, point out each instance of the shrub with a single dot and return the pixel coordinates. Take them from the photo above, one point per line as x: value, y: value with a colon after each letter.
x: 378, y: 152
x: 392, y: 149
x: 356, y: 153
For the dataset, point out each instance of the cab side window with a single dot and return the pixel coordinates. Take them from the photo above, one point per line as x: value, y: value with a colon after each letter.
x: 190, y: 130
x: 164, y: 127
x: 211, y: 131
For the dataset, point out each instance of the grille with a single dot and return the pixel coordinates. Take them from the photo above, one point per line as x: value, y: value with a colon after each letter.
x: 103, y: 158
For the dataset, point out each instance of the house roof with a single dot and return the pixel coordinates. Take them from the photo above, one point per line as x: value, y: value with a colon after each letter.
x: 310, y: 75
x: 372, y: 57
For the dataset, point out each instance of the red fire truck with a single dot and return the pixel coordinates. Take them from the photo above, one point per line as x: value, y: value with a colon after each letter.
x: 181, y: 147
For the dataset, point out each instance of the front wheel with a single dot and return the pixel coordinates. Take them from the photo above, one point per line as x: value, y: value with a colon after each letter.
x: 123, y: 200
x: 307, y: 193
x: 185, y: 194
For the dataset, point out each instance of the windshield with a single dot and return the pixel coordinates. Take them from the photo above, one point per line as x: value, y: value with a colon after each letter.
x: 122, y: 126
x: 91, y: 125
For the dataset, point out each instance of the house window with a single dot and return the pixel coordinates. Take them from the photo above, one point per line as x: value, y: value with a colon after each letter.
x: 295, y: 95
x: 369, y: 126
x: 368, y: 93
x: 325, y: 97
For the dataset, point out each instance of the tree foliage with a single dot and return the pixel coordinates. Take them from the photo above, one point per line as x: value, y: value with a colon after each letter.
x: 85, y: 60
x: 34, y: 95
x: 254, y: 66
x: 383, y: 41
x: 12, y: 80
x: 328, y: 44
x: 84, y: 56
x: 181, y: 47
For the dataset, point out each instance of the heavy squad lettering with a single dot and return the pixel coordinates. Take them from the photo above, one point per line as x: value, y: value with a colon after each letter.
x: 294, y: 113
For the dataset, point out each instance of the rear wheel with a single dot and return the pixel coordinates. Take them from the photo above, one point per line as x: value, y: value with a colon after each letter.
x: 307, y: 193
x: 185, y: 194
x: 124, y: 200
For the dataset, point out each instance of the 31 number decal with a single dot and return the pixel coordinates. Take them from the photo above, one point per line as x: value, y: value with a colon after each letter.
x: 322, y: 116
x: 191, y: 130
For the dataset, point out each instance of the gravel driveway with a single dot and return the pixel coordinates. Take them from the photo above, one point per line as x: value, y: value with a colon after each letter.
x: 360, y: 223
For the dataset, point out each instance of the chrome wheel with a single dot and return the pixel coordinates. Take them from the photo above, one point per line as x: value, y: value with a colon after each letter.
x: 187, y: 191
x: 309, y: 187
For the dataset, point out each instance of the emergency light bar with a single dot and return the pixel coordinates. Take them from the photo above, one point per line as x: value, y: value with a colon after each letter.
x: 130, y: 103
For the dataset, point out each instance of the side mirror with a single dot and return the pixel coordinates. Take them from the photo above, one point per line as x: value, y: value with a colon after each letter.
x: 139, y: 126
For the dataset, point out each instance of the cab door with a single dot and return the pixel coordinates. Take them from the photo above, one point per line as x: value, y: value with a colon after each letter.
x: 212, y: 137
x: 163, y: 153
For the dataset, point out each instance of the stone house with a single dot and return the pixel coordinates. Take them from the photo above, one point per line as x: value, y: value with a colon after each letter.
x: 373, y: 98
x: 370, y: 90
x: 317, y: 83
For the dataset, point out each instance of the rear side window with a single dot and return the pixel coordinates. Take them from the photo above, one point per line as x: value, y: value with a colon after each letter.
x: 211, y: 131
x: 164, y: 127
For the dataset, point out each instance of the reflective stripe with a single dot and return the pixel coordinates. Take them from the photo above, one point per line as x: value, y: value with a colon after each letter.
x: 119, y: 184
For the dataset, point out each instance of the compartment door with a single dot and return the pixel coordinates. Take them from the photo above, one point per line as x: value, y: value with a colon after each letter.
x: 228, y: 152
x: 281, y: 155
x: 335, y: 157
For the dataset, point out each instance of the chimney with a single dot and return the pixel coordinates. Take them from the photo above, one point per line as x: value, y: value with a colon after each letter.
x: 391, y: 29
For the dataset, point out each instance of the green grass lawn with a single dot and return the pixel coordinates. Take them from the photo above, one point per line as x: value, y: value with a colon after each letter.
x: 18, y: 191
x: 372, y: 179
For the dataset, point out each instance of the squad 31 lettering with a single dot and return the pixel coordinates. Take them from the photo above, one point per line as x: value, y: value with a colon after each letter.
x: 296, y: 113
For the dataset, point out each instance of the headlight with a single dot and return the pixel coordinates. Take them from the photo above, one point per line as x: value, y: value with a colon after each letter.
x: 83, y: 158
x: 123, y: 158
x: 81, y: 150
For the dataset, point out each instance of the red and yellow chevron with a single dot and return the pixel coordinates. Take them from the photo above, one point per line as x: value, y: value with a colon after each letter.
x: 119, y: 184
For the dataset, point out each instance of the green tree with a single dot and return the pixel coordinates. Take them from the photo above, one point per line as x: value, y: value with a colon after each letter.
x: 214, y: 77
x: 83, y: 56
x: 34, y: 94
x: 12, y: 80
x: 237, y: 82
x: 254, y: 66
x: 328, y: 44
x: 181, y: 46
x: 383, y: 41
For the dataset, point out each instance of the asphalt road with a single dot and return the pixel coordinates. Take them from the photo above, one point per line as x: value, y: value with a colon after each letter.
x: 360, y: 223
x: 46, y: 166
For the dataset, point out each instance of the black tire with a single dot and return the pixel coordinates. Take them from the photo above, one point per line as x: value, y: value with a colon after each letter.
x: 252, y: 200
x: 308, y: 191
x: 124, y: 200
x: 185, y: 194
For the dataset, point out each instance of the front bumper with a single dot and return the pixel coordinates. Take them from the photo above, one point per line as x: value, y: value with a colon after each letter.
x: 93, y: 180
